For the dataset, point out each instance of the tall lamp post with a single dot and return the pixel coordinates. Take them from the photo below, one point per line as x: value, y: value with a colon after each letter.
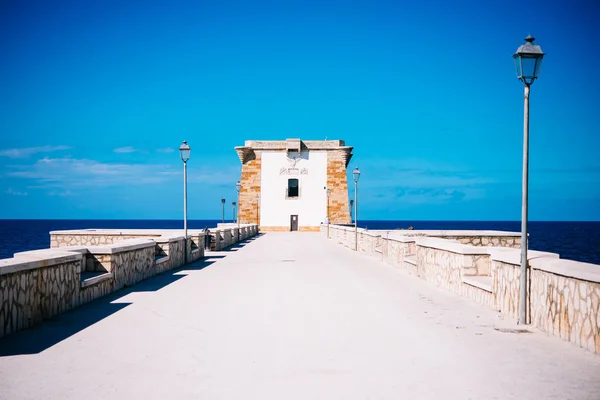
x: 223, y: 211
x: 184, y: 152
x: 356, y: 175
x: 328, y: 220
x: 528, y: 61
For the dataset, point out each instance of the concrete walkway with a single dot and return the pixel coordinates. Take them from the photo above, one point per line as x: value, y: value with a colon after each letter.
x: 289, y: 316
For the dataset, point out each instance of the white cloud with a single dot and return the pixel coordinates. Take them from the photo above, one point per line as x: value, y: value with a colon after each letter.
x: 417, y: 181
x: 70, y: 173
x: 165, y: 150
x: 15, y: 193
x: 126, y: 149
x: 29, y: 151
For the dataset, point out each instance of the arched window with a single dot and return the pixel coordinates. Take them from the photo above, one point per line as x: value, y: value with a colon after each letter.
x: 292, y: 188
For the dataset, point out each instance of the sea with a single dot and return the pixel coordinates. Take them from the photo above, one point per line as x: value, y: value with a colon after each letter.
x: 579, y: 241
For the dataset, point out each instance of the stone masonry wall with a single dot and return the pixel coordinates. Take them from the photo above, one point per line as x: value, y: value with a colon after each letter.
x: 64, y: 240
x: 29, y: 296
x: 250, y: 187
x: 490, y: 241
x: 562, y: 306
x: 339, y: 212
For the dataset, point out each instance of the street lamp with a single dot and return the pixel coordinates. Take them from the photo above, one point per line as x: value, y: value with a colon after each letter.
x: 257, y: 220
x: 356, y: 175
x: 233, y: 212
x: 328, y: 219
x: 223, y: 211
x: 528, y: 61
x: 184, y: 152
x: 238, y: 186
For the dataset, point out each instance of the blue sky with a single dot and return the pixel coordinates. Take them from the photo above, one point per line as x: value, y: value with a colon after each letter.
x: 97, y: 96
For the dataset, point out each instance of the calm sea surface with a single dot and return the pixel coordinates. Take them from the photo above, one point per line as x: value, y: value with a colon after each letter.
x: 572, y: 240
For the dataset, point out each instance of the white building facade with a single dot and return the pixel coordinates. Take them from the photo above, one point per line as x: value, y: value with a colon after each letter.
x: 284, y: 184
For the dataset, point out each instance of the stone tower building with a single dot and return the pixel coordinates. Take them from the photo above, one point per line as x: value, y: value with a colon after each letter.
x: 284, y: 183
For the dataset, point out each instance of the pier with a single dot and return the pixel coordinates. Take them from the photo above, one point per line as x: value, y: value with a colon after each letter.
x: 294, y: 316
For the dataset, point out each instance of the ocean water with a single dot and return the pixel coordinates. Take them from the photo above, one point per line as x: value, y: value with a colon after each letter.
x: 578, y: 241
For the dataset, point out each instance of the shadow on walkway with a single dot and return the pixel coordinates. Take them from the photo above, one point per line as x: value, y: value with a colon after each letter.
x: 59, y: 328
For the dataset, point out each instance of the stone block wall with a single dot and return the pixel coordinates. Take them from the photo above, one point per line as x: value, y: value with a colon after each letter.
x: 337, y: 182
x: 40, y: 284
x: 563, y: 295
x: 31, y: 291
x: 91, y: 239
x: 560, y: 305
x: 496, y: 241
x: 250, y: 187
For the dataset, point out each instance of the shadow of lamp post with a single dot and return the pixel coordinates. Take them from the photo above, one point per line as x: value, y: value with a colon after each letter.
x: 184, y: 152
x: 528, y: 60
x: 356, y: 175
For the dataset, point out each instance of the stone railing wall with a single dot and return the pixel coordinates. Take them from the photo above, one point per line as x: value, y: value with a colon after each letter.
x: 563, y: 295
x: 222, y: 238
x: 35, y: 288
x: 39, y: 284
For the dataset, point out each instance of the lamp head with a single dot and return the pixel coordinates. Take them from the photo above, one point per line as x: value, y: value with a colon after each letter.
x: 528, y: 61
x: 356, y: 174
x: 184, y: 151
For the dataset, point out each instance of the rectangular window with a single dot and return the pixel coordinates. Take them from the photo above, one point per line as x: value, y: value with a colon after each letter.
x: 292, y: 190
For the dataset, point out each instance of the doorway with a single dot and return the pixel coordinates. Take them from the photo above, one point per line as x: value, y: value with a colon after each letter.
x: 293, y: 223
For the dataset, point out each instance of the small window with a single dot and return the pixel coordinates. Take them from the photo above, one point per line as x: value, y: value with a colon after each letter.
x: 292, y: 188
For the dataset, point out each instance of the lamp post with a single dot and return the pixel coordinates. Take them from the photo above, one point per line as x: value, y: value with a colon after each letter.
x: 356, y: 175
x: 238, y: 186
x: 184, y: 152
x: 351, y: 205
x: 233, y: 212
x: 528, y: 61
x: 223, y: 211
x: 257, y: 220
x: 328, y: 220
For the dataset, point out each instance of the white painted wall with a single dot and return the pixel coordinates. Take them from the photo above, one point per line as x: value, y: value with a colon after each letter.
x: 310, y: 206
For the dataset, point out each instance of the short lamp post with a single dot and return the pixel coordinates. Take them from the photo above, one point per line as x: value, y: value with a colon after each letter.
x: 184, y: 152
x: 238, y: 186
x: 351, y: 205
x: 233, y: 212
x: 328, y: 219
x: 356, y: 175
x: 257, y: 220
x: 222, y: 211
x: 528, y: 61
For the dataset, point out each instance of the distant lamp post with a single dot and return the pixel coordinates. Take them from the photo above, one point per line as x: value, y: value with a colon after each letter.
x: 351, y: 205
x: 184, y: 152
x: 328, y: 219
x: 257, y: 220
x: 223, y: 211
x: 238, y: 186
x: 528, y: 61
x: 356, y: 175
x: 233, y: 212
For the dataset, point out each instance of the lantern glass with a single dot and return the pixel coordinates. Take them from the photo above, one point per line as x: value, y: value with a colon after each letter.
x: 184, y: 151
x: 356, y: 174
x: 528, y: 61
